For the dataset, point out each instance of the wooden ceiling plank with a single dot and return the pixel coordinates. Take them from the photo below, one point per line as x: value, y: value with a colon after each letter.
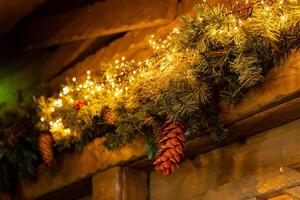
x: 67, y: 55
x: 100, y: 19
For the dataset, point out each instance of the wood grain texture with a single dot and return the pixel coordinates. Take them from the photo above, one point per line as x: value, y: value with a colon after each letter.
x: 106, y: 184
x: 71, y: 168
x: 259, y: 159
x: 120, y: 183
x: 134, y: 184
x: 99, y: 19
x: 69, y: 54
x: 257, y: 184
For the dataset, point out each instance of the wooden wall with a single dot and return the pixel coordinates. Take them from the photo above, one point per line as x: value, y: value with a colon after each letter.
x: 263, y: 165
x: 82, y: 40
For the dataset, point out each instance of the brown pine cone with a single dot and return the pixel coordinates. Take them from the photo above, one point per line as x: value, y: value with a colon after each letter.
x: 170, y: 141
x: 45, y: 147
x: 108, y: 116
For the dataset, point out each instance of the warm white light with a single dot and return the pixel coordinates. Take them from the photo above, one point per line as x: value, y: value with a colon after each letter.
x: 66, y: 90
x: 283, y: 17
x: 42, y: 119
x: 98, y: 87
x: 73, y: 79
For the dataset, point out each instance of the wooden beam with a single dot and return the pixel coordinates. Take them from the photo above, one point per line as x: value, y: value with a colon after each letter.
x: 100, y: 19
x: 120, y: 183
x: 254, y: 124
x: 79, y: 165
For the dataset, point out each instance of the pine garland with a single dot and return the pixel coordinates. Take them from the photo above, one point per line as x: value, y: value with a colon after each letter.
x: 218, y: 55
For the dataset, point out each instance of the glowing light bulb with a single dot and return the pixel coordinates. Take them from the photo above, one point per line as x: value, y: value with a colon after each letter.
x: 98, y: 87
x: 88, y: 72
x: 283, y: 18
x: 42, y: 119
x: 123, y: 58
x: 73, y: 79
x: 52, y: 109
x: 66, y: 90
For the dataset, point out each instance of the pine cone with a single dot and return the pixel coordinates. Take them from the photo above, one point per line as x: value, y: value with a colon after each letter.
x: 108, y: 116
x: 170, y: 141
x: 45, y: 147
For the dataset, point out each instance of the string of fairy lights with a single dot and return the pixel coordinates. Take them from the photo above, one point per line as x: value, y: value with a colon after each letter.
x: 121, y: 73
x: 113, y: 85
